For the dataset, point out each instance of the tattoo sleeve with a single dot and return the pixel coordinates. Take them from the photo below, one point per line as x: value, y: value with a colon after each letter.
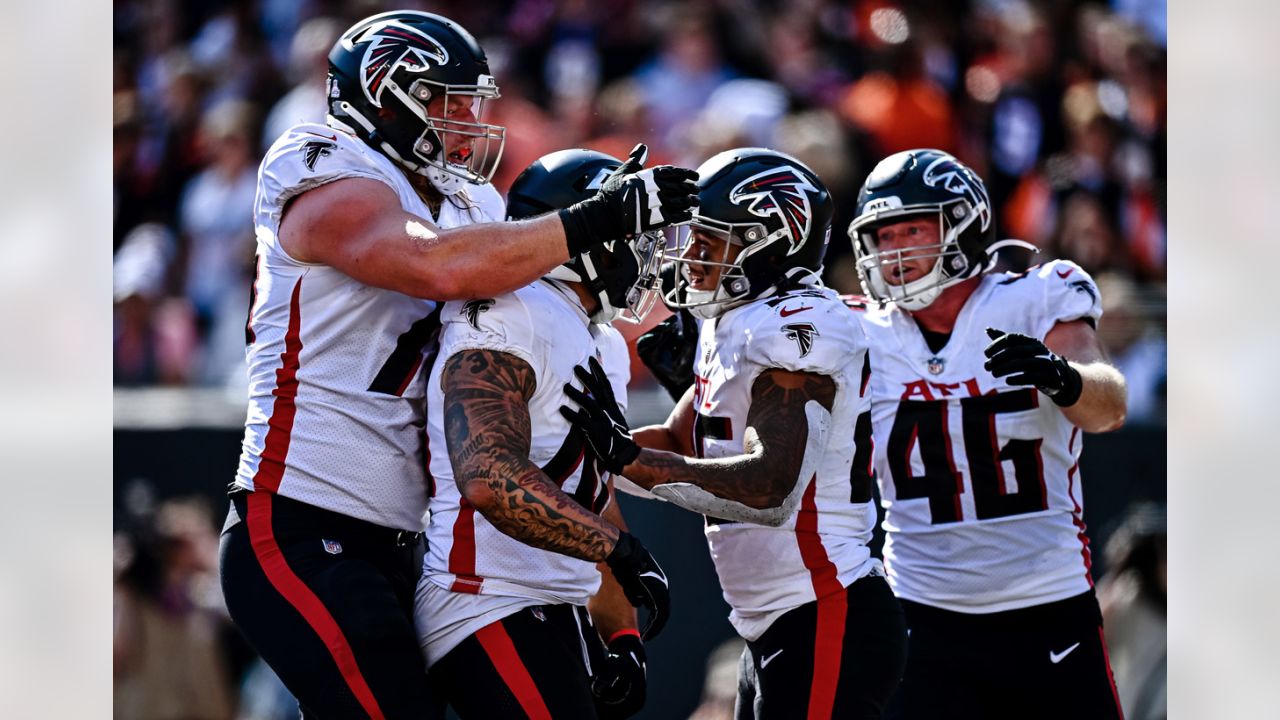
x: 774, y: 444
x: 487, y: 429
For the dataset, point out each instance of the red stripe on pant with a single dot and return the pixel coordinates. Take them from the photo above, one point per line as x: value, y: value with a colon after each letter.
x: 502, y: 653
x: 298, y: 595
x: 1111, y: 678
x: 833, y: 607
x: 828, y: 646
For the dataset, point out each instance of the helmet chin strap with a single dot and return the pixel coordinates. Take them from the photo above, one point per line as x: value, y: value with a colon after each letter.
x: 447, y: 182
x: 605, y: 312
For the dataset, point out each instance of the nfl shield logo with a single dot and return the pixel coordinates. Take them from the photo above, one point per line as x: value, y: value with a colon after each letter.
x: 333, y: 547
x: 936, y: 365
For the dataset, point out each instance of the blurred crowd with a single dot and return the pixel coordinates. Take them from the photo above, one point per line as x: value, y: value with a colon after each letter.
x: 1059, y: 105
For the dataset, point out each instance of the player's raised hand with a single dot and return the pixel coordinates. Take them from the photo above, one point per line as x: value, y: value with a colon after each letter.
x: 620, y: 684
x: 631, y: 201
x: 643, y: 582
x: 1025, y: 360
x: 600, y: 419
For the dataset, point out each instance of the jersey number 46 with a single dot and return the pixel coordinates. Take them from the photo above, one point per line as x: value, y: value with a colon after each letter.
x: 925, y: 423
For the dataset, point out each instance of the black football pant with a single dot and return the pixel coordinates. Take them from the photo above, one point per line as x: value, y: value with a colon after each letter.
x: 1046, y: 662
x: 327, y: 601
x: 533, y: 664
x: 838, y: 657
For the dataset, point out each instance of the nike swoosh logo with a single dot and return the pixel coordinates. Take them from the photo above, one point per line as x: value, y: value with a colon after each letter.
x: 769, y: 659
x: 326, y: 137
x: 1056, y: 658
x: 788, y: 312
x: 1064, y: 275
x: 654, y: 575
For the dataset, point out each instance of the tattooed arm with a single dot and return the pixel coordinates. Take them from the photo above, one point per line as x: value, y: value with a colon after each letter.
x: 486, y: 421
x: 774, y: 445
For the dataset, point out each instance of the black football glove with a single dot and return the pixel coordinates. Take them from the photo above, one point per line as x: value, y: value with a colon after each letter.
x: 619, y: 685
x: 669, y: 349
x: 1034, y: 364
x: 642, y: 581
x: 629, y: 202
x: 600, y: 418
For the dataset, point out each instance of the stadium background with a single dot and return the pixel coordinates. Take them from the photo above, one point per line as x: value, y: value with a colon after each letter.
x: 1059, y: 105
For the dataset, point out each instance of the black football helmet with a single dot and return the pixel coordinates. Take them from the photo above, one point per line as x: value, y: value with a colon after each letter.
x: 383, y: 74
x: 925, y: 182
x: 767, y: 203
x: 622, y: 274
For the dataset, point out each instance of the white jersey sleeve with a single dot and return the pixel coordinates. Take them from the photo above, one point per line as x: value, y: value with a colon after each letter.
x: 308, y: 156
x: 1069, y: 294
x: 501, y: 324
x: 814, y: 336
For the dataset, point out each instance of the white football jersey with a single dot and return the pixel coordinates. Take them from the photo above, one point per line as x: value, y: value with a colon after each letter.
x: 822, y: 548
x: 545, y: 325
x: 336, y: 394
x: 979, y: 479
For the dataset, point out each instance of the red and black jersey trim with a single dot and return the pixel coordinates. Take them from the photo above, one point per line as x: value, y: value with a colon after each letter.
x: 590, y: 494
x: 708, y: 427
x: 403, y: 363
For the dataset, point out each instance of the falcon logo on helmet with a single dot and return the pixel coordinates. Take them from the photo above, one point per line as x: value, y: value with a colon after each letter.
x: 395, y: 44
x: 945, y: 172
x: 803, y: 334
x: 783, y: 192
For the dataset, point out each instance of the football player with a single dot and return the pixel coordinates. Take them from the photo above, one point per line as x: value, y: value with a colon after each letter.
x: 363, y: 224
x: 982, y: 387
x: 772, y: 444
x: 524, y: 534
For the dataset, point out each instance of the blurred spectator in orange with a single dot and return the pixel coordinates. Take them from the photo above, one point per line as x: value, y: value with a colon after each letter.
x: 168, y: 657
x: 1135, y: 612
x: 902, y: 107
